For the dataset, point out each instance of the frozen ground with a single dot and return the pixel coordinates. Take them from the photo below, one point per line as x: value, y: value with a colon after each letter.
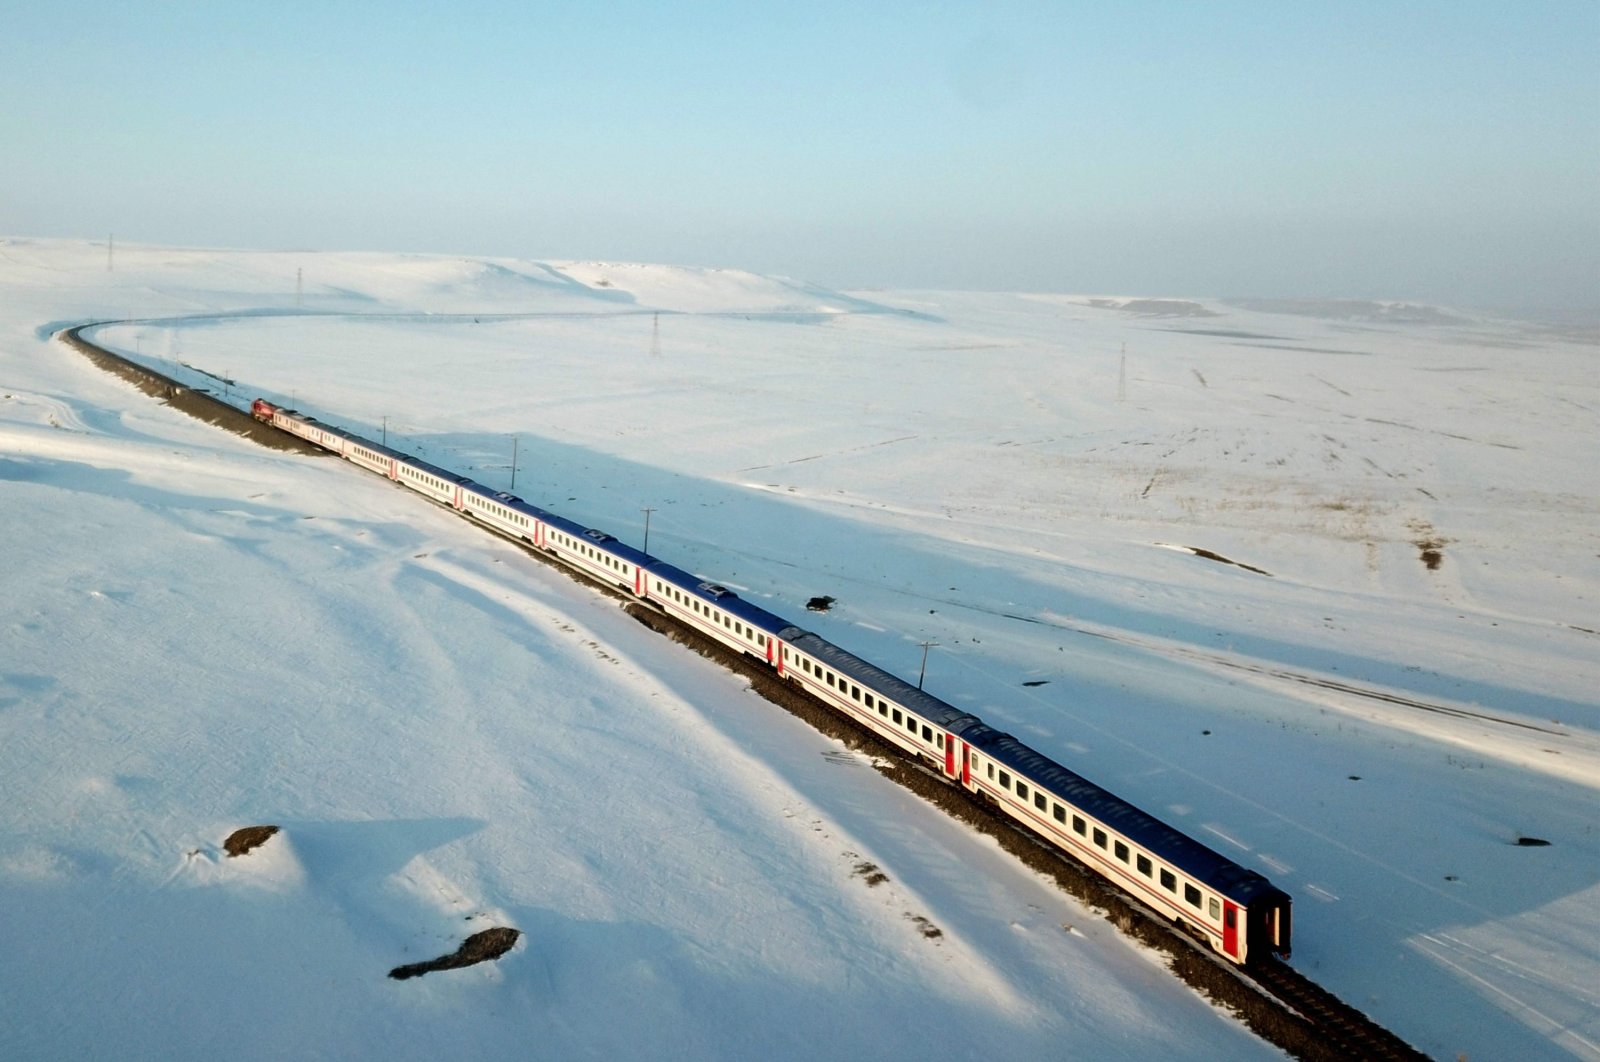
x: 1392, y: 684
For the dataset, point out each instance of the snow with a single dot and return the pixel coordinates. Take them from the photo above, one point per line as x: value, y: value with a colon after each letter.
x: 202, y: 635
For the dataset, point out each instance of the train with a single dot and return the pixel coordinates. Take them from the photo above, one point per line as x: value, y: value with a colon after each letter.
x: 1241, y: 915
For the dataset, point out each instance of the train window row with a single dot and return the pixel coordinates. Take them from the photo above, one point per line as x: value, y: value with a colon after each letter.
x: 883, y: 707
x: 1102, y: 840
x: 596, y: 555
x: 422, y: 477
x: 694, y: 604
x: 503, y: 513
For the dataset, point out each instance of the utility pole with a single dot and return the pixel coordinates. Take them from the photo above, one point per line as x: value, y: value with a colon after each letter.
x: 647, y: 513
x: 655, y: 335
x: 386, y: 431
x: 1122, y: 375
x: 111, y: 241
x: 513, y: 462
x: 925, y: 647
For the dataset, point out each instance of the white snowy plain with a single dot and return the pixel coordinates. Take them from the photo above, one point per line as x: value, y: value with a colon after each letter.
x: 200, y: 634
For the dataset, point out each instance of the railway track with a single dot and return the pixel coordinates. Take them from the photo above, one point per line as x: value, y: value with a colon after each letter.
x: 1348, y: 1032
x: 1279, y: 1004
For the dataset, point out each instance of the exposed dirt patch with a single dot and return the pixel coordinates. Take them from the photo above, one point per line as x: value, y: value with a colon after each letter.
x: 1532, y: 842
x: 480, y: 947
x: 869, y: 873
x: 1430, y: 544
x: 241, y: 841
x: 925, y: 927
x: 820, y: 604
x: 1219, y: 558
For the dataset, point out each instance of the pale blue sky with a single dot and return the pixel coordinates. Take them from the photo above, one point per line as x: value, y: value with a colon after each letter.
x: 1437, y: 151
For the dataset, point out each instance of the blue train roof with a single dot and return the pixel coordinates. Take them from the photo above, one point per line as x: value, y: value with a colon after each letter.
x: 1165, y: 842
x: 903, y: 693
x: 1161, y: 840
x: 434, y: 470
x: 723, y: 598
x: 617, y: 548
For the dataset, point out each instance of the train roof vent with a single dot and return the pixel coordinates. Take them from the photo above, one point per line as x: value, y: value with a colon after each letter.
x: 716, y: 591
x: 598, y: 536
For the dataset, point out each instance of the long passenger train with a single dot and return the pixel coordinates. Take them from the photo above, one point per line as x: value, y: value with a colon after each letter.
x: 1234, y: 909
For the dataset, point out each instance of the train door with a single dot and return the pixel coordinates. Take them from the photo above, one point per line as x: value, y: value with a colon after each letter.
x: 1230, y: 929
x: 950, y: 755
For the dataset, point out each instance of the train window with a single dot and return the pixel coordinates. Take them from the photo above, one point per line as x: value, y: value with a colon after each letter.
x: 1121, y: 850
x: 830, y: 678
x: 1143, y: 863
x: 1038, y: 800
x: 911, y: 725
x: 1078, y: 825
x: 761, y: 640
x: 1022, y: 789
x: 1059, y: 812
x: 1191, y: 894
x: 1100, y: 838
x: 1169, y: 882
x: 805, y: 665
x: 1216, y: 908
x: 1229, y: 919
x: 938, y: 741
x: 869, y: 700
x: 855, y: 692
x: 897, y: 717
x: 927, y: 733
x: 883, y: 709
x: 1005, y: 780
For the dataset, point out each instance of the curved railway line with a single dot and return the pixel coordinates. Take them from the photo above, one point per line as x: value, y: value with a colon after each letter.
x: 1279, y: 1004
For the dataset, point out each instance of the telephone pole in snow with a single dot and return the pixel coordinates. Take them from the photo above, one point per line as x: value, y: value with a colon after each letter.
x: 1122, y: 375
x: 647, y: 512
x: 111, y: 242
x: 925, y: 647
x: 655, y: 335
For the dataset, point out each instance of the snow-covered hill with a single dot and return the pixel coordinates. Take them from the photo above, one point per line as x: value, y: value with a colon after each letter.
x: 1392, y: 683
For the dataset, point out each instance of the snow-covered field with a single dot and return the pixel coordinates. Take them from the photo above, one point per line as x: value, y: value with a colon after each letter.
x: 1393, y: 682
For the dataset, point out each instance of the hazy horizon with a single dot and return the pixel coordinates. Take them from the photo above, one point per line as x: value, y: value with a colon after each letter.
x: 1437, y: 153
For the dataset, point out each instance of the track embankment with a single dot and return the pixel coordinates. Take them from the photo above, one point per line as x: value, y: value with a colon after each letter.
x: 197, y: 402
x: 1275, y: 1002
